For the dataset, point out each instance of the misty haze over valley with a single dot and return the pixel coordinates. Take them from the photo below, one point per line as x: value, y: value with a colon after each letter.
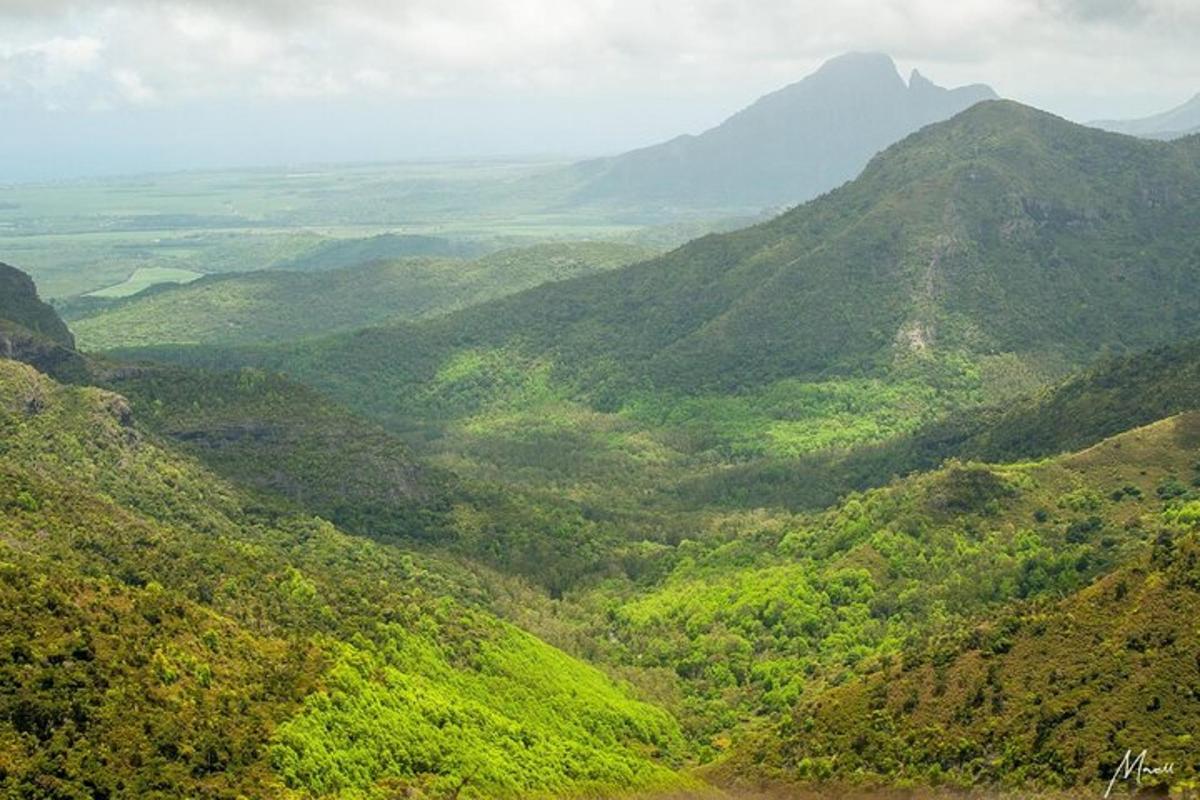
x: 599, y: 399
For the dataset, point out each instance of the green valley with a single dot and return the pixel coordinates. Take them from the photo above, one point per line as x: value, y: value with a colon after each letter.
x: 616, y: 479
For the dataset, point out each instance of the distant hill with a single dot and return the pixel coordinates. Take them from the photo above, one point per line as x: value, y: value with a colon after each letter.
x: 384, y: 247
x: 1183, y: 120
x: 789, y: 146
x: 275, y: 305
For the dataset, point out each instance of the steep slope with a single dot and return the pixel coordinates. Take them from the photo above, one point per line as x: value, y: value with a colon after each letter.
x: 789, y: 146
x: 1005, y: 235
x: 753, y: 621
x: 273, y: 306
x: 1047, y: 695
x: 20, y: 304
x: 161, y: 639
x: 30, y: 330
x: 1069, y: 415
x: 1173, y: 124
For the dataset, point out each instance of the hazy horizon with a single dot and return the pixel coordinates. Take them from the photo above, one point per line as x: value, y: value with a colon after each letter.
x: 130, y: 86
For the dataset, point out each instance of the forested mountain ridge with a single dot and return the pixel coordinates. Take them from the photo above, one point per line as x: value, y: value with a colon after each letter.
x: 787, y: 147
x: 1002, y: 231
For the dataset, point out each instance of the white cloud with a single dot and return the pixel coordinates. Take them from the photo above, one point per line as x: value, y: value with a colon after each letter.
x: 132, y: 88
x: 1114, y: 56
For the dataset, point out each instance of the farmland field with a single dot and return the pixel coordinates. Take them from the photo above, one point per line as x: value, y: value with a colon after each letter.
x: 78, y: 237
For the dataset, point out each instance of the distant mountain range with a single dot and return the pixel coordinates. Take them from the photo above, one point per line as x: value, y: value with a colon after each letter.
x: 1183, y: 120
x: 789, y: 146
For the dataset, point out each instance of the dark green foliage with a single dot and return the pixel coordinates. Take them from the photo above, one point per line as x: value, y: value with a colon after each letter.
x: 384, y: 247
x: 277, y: 437
x: 19, y: 304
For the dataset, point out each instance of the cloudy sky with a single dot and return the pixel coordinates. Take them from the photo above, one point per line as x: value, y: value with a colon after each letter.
x: 93, y: 86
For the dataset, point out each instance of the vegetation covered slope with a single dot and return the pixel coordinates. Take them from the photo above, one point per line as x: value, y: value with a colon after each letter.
x: 161, y: 639
x: 973, y: 261
x: 754, y: 618
x: 20, y: 305
x: 274, y: 306
x: 787, y: 147
x: 1044, y: 694
x: 1004, y: 230
x: 270, y: 435
x: 1075, y: 413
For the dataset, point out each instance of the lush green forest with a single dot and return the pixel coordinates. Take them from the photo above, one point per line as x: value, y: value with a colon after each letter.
x: 897, y: 490
x: 171, y: 638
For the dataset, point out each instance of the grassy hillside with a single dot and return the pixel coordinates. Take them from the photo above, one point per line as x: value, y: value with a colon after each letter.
x: 1043, y: 694
x: 1072, y: 414
x: 972, y: 262
x: 755, y: 617
x: 164, y: 640
x: 274, y: 306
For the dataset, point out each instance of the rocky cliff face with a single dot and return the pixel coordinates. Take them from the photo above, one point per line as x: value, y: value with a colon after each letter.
x: 20, y: 304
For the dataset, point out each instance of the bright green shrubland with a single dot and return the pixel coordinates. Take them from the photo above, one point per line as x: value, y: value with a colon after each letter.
x: 164, y: 638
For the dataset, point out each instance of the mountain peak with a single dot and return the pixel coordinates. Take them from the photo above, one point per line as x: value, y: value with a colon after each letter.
x: 790, y: 145
x: 860, y: 62
x: 915, y: 78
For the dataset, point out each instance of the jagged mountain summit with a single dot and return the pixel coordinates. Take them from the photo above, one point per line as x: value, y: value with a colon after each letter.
x: 1183, y: 120
x: 789, y: 146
